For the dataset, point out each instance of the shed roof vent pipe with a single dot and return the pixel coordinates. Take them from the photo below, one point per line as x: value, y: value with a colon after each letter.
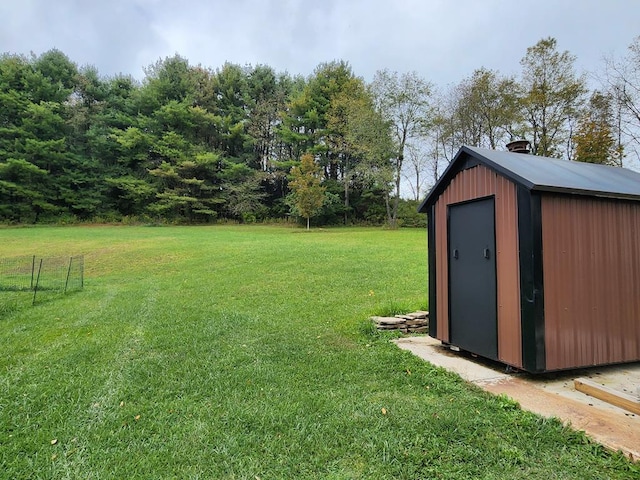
x: 519, y: 146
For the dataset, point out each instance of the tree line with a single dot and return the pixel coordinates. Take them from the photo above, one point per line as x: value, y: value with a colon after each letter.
x: 193, y: 144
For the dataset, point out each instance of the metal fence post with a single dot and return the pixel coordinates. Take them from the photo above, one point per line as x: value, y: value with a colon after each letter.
x: 35, y: 289
x: 33, y: 267
x: 66, y: 283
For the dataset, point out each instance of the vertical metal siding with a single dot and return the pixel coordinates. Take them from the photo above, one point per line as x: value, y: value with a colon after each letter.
x: 508, y: 273
x: 467, y: 185
x: 591, y: 256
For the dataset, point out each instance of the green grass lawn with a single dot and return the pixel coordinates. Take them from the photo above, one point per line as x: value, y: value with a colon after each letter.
x: 245, y: 352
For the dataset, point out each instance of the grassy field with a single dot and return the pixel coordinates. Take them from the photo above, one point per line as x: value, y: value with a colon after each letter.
x: 245, y: 353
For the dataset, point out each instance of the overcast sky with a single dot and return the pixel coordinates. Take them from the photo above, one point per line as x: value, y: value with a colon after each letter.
x: 443, y: 40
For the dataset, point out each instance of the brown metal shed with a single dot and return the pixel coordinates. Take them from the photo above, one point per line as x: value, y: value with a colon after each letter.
x: 534, y: 261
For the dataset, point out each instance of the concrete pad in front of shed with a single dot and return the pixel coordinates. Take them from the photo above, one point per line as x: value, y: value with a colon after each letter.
x: 549, y: 395
x: 434, y: 352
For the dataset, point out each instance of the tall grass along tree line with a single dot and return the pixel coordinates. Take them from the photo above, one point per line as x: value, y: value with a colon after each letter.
x: 193, y: 144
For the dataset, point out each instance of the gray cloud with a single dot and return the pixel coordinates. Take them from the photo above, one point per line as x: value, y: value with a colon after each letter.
x: 443, y: 41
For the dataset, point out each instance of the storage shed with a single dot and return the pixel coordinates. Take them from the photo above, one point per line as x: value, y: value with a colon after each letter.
x: 534, y: 261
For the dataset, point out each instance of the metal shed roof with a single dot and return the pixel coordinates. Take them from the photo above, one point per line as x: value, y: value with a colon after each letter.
x: 545, y: 174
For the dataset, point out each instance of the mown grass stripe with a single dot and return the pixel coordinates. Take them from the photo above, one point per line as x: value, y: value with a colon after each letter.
x: 243, y: 352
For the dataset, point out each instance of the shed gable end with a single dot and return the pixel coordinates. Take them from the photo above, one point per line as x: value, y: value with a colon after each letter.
x: 469, y: 184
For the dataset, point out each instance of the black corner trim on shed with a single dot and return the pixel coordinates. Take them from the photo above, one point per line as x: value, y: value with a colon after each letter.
x: 431, y: 262
x: 531, y: 284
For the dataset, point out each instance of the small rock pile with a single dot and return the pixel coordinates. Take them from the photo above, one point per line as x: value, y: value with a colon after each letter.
x: 416, y: 322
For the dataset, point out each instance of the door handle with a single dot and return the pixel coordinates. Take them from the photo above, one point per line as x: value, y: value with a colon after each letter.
x: 455, y: 253
x: 486, y: 253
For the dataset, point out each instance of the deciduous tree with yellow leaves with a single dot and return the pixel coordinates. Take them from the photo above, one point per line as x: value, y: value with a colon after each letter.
x: 307, y: 193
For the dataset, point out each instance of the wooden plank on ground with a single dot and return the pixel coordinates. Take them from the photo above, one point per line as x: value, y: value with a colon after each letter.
x: 609, y: 395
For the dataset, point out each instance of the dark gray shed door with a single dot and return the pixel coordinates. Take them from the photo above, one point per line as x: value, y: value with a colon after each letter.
x: 472, y: 277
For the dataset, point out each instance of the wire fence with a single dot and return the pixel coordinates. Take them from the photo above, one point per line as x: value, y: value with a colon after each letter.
x: 41, y: 274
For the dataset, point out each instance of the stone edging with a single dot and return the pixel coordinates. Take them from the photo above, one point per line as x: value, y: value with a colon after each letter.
x: 416, y: 322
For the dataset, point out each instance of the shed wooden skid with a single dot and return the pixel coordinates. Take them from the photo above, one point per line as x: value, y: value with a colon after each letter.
x: 535, y: 262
